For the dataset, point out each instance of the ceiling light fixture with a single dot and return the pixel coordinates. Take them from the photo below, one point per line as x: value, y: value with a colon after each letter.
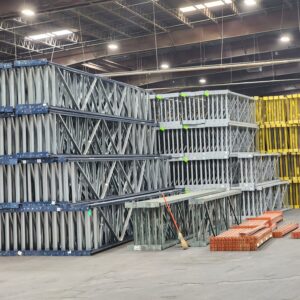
x: 112, y: 46
x: 202, y: 80
x: 209, y: 4
x: 164, y: 66
x: 250, y: 2
x: 200, y: 6
x: 285, y: 39
x: 28, y: 12
x: 40, y: 36
x: 46, y: 35
x: 214, y: 4
x: 187, y: 9
x: 62, y: 32
x: 93, y: 66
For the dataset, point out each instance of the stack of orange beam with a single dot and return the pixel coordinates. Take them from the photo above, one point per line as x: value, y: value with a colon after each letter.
x: 249, y: 235
x: 272, y: 217
x: 296, y: 234
x: 282, y: 231
x: 235, y: 240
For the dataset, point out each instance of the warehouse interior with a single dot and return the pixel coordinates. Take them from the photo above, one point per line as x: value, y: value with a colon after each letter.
x: 149, y: 148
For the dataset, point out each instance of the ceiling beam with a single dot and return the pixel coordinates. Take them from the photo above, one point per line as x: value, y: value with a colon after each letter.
x: 118, y: 14
x: 204, y: 68
x: 234, y: 8
x: 123, y: 4
x: 175, y: 13
x: 213, y: 74
x: 269, y: 89
x: 242, y: 27
x: 7, y: 51
x: 207, y: 13
x: 246, y: 87
x: 102, y: 24
x: 27, y: 43
x: 12, y: 8
x: 115, y: 65
x: 234, y: 50
x: 222, y: 78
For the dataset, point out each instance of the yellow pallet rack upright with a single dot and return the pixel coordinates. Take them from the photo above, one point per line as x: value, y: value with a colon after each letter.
x: 279, y: 122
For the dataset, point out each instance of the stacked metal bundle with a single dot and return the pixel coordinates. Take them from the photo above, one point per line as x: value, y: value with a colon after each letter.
x: 211, y: 138
x: 249, y: 235
x: 199, y: 214
x: 256, y: 168
x: 74, y: 148
x: 279, y: 119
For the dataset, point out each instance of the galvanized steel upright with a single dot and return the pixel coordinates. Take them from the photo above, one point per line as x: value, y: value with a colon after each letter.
x: 74, y: 148
x: 211, y: 137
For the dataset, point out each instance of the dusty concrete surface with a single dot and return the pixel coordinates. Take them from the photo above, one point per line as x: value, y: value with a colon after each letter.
x: 270, y: 273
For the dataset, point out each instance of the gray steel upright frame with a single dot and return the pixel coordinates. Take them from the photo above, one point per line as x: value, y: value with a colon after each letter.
x: 35, y: 82
x: 153, y: 227
x: 70, y: 143
x: 198, y: 214
x: 205, y: 105
x: 211, y: 138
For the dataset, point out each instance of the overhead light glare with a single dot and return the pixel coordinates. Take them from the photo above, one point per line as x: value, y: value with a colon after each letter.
x: 46, y: 35
x: 210, y: 4
x: 28, y: 12
x: 202, y: 80
x: 62, y: 32
x: 93, y: 66
x: 164, y: 66
x: 200, y: 6
x: 285, y: 39
x: 250, y: 2
x: 112, y: 46
x: 213, y: 4
x: 187, y: 9
x: 41, y: 36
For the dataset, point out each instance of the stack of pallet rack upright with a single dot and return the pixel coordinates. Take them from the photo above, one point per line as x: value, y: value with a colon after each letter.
x: 279, y: 120
x: 74, y: 148
x: 211, y: 137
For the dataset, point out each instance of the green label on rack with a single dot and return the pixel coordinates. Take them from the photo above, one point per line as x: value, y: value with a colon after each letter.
x: 162, y: 129
x: 89, y: 212
x: 185, y: 159
x: 158, y: 97
x: 186, y: 127
x: 183, y: 95
x: 186, y: 190
x: 206, y: 93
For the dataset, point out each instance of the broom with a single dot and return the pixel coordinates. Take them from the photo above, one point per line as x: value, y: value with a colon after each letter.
x: 184, y: 244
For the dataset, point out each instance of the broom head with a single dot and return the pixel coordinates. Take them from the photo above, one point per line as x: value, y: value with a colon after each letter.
x: 183, y: 243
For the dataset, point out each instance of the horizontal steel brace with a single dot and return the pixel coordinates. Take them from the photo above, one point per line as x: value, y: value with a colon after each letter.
x: 45, y: 157
x: 194, y: 188
x: 43, y: 108
x: 63, y: 252
x: 67, y: 206
x: 193, y: 94
x: 216, y: 196
x: 173, y: 199
x: 201, y: 156
x: 264, y: 185
x: 204, y: 124
x: 254, y: 154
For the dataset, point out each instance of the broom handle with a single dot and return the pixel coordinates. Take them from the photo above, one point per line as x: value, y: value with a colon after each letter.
x: 170, y: 212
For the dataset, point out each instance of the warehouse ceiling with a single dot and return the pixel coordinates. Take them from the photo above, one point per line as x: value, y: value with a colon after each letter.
x: 129, y: 35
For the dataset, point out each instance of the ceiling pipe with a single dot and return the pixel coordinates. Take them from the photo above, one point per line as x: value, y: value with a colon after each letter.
x: 201, y: 86
x: 203, y: 68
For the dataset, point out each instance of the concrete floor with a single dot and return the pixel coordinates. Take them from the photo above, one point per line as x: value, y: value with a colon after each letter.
x: 273, y: 272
